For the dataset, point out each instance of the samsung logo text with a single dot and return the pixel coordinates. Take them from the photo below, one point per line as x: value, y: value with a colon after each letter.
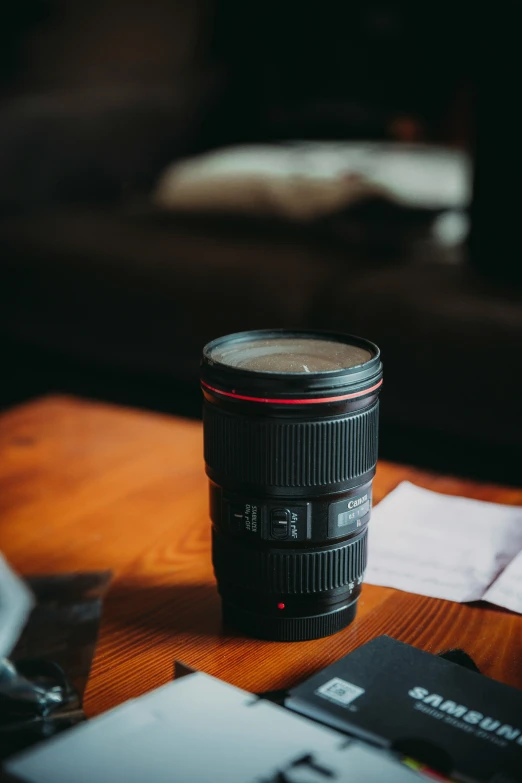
x: 469, y: 716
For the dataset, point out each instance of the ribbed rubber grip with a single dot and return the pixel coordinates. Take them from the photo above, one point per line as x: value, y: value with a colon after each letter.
x: 289, y: 629
x: 289, y: 573
x: 274, y: 453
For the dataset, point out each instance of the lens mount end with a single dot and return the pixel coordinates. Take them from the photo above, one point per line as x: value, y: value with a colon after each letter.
x: 288, y: 629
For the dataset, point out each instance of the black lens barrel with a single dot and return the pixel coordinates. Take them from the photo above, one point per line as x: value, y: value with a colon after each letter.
x: 290, y: 457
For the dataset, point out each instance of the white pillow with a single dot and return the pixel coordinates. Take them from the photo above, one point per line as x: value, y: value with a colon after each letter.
x: 302, y: 181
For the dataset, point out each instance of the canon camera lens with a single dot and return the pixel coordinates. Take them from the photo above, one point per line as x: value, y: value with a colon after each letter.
x: 291, y: 431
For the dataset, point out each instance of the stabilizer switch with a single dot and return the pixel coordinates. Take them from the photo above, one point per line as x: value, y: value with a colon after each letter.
x: 279, y: 523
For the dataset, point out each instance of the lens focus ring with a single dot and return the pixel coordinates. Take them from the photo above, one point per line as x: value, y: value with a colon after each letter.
x: 291, y: 573
x: 270, y: 452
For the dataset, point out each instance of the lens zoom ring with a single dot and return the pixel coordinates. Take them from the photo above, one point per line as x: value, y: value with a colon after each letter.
x: 292, y: 573
x: 291, y: 454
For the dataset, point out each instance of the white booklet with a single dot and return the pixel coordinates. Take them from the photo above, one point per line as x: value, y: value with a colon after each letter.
x: 447, y: 547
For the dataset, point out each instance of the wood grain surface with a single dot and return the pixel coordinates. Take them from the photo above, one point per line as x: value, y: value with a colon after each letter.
x: 85, y: 486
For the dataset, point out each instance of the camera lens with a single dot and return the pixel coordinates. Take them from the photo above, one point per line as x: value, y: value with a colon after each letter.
x: 291, y: 433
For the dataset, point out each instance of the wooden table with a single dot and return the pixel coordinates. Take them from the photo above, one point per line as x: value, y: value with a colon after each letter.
x: 85, y: 486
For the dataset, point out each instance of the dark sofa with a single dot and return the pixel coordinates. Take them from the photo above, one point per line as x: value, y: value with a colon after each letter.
x: 101, y: 294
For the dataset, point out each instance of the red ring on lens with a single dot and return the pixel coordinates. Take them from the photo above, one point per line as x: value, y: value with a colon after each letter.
x: 306, y: 401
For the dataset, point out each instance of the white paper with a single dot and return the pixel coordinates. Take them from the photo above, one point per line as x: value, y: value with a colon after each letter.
x: 506, y: 591
x: 445, y: 546
x: 16, y: 601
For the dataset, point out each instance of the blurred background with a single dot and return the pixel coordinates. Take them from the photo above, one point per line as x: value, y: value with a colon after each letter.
x: 175, y: 170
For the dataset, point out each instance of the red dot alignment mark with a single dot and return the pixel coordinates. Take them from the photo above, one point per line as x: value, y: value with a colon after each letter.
x: 307, y: 401
x: 280, y: 606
